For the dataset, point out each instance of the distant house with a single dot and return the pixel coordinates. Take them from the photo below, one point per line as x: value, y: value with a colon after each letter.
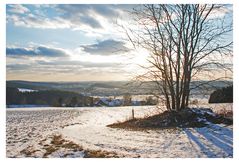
x: 116, y: 102
x: 108, y: 102
x: 101, y: 103
x: 136, y: 103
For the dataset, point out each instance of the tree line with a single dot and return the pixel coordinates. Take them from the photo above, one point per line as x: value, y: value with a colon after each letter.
x: 47, y: 97
x: 58, y: 98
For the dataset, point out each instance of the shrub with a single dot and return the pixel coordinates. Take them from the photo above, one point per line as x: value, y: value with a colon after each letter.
x: 224, y: 95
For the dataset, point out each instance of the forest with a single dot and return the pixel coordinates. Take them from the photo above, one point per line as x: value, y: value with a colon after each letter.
x: 47, y: 97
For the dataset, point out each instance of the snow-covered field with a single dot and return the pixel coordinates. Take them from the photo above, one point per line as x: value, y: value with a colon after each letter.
x: 30, y: 133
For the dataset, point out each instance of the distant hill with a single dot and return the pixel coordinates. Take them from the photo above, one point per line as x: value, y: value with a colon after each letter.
x: 46, y: 97
x: 91, y: 88
x: 111, y: 88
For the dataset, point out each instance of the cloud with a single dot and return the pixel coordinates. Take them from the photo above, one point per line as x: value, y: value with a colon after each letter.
x: 45, y: 68
x: 75, y: 69
x: 83, y: 17
x: 79, y: 15
x: 93, y: 20
x: 88, y: 20
x: 17, y: 67
x: 19, y: 51
x: 36, y: 51
x: 77, y: 63
x: 106, y: 47
x: 221, y: 11
x: 33, y: 21
x: 18, y: 9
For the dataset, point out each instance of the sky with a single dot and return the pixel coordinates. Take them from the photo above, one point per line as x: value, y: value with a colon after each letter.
x: 78, y: 42
x: 69, y: 43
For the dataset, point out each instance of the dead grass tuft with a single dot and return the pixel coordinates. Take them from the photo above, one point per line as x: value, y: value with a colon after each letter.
x: 100, y: 154
x: 29, y: 151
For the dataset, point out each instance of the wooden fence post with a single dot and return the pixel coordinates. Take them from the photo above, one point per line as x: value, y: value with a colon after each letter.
x: 132, y: 113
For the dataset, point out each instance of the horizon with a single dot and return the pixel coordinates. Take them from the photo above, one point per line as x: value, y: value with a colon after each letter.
x: 74, y: 81
x: 112, y: 81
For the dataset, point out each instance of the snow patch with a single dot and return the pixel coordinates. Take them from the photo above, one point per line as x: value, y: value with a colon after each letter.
x: 26, y: 90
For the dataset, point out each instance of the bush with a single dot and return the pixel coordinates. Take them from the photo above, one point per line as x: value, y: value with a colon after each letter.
x: 127, y: 100
x: 224, y: 95
x: 151, y: 101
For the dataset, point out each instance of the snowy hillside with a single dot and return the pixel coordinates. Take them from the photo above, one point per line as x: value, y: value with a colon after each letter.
x: 30, y: 131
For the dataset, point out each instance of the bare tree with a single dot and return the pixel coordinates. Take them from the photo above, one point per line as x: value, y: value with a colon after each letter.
x: 186, y: 42
x: 127, y: 99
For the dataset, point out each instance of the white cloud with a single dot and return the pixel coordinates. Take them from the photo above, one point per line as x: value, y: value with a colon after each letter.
x: 97, y: 20
x: 220, y: 11
x: 18, y: 9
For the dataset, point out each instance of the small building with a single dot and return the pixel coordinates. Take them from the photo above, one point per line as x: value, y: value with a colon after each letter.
x: 108, y: 102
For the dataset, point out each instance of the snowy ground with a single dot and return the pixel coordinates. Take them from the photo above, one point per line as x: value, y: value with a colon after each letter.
x: 30, y: 133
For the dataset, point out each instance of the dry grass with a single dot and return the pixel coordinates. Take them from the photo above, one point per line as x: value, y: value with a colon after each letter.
x: 58, y: 142
x: 72, y: 145
x: 100, y: 154
x: 49, y: 150
x: 226, y: 113
x: 29, y: 151
x: 188, y: 118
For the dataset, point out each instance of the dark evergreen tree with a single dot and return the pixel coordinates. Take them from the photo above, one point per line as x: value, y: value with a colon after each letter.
x: 224, y: 95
